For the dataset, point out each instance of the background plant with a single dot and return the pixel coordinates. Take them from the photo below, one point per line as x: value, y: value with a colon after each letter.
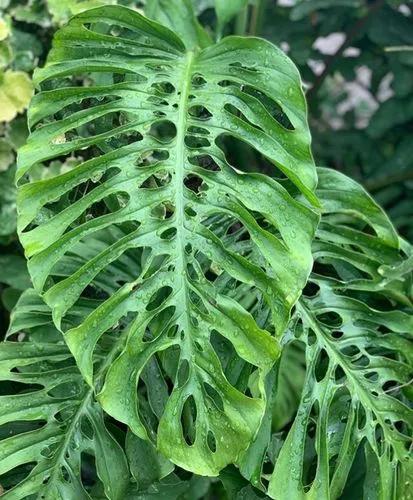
x: 359, y: 124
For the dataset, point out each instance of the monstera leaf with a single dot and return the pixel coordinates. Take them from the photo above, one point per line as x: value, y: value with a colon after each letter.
x: 358, y: 357
x: 51, y: 423
x: 152, y: 125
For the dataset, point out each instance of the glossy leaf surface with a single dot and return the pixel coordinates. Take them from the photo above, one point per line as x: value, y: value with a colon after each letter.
x: 153, y: 122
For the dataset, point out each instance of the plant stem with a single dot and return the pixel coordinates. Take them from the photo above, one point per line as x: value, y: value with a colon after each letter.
x: 256, y: 16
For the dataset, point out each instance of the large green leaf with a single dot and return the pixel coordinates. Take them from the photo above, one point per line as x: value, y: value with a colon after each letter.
x: 359, y: 355
x: 177, y: 202
x: 50, y: 419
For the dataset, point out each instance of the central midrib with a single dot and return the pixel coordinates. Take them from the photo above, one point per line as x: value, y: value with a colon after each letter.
x: 184, y: 88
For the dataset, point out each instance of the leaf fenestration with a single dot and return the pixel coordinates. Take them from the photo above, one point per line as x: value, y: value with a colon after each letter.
x: 178, y: 202
x: 358, y: 353
x: 54, y: 419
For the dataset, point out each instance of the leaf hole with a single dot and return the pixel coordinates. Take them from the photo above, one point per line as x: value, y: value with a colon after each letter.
x: 157, y: 101
x: 339, y: 375
x: 172, y: 331
x: 65, y: 474
x: 164, y: 131
x: 311, y: 289
x: 331, y: 319
x: 193, y: 182
x: 168, y: 234
x: 361, y: 417
x: 310, y: 451
x: 159, y: 298
x: 270, y: 105
x: 192, y: 274
x: 86, y: 428
x: 196, y: 142
x: 247, y: 158
x: 321, y: 366
x: 188, y: 419
x: 88, y: 471
x: 200, y: 112
x: 239, y: 115
x: 190, y: 212
x: 163, y: 88
x: 363, y: 361
x: 205, y: 161
x: 215, y: 397
x: 311, y: 337
x: 380, y: 440
x: 160, y: 154
x: 389, y: 385
x: 211, y: 441
x: 198, y: 80
x: 236, y: 66
x: 371, y: 376
x: 198, y: 346
x: 198, y: 131
x: 351, y: 351
x: 183, y: 373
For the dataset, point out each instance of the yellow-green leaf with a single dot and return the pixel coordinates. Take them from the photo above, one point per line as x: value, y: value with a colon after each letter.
x: 16, y: 90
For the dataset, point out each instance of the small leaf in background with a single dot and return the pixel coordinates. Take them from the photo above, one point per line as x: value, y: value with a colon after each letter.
x: 226, y: 10
x: 17, y: 132
x: 4, y: 29
x: 17, y: 275
x: 6, y: 54
x: 153, y: 468
x: 14, y: 276
x: 179, y: 16
x: 16, y: 90
x: 27, y: 49
x: 62, y: 10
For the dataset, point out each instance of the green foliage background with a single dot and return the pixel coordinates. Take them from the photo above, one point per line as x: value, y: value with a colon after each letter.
x: 359, y: 97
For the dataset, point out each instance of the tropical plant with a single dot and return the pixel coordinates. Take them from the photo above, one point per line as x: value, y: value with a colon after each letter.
x: 197, y: 327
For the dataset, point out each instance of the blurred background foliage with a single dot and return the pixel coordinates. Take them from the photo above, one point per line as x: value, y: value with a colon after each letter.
x: 355, y: 58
